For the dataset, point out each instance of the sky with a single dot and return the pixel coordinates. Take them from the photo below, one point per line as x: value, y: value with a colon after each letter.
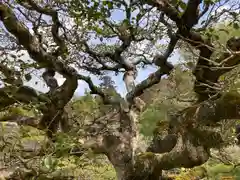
x: 38, y: 84
x: 117, y: 15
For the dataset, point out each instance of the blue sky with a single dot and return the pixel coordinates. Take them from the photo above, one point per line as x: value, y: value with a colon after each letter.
x: 37, y: 83
x: 117, y: 15
x: 142, y: 74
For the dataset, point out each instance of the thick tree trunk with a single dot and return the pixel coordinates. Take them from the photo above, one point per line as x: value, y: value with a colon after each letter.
x: 123, y: 147
x: 120, y: 148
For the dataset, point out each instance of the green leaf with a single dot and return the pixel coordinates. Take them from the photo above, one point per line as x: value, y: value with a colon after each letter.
x: 208, y: 2
x: 48, y: 162
x: 208, y: 34
x: 110, y: 5
x: 96, y: 15
x: 211, y: 29
x: 139, y: 15
x: 216, y: 36
x: 54, y: 163
x: 235, y: 25
x: 96, y: 4
x: 61, y: 165
x: 105, y: 2
x: 222, y: 78
x: 182, y: 5
x: 98, y: 30
x: 126, y: 22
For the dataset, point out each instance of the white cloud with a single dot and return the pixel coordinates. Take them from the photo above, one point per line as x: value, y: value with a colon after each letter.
x: 60, y: 79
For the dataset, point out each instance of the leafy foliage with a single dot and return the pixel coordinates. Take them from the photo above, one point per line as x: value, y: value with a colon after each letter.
x: 169, y: 96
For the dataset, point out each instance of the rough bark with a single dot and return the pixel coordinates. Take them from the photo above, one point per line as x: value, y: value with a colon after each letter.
x: 187, y: 145
x: 120, y: 147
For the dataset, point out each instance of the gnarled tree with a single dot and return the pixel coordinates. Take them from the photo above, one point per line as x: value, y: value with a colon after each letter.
x: 59, y: 37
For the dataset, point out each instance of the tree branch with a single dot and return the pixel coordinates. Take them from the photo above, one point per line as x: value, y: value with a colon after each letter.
x: 96, y: 90
x: 154, y: 78
x: 191, y: 14
x: 23, y: 94
x: 29, y: 42
x: 11, y: 75
x: 37, y: 53
x: 203, y: 71
x: 190, y: 136
x: 31, y: 5
x: 165, y: 68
